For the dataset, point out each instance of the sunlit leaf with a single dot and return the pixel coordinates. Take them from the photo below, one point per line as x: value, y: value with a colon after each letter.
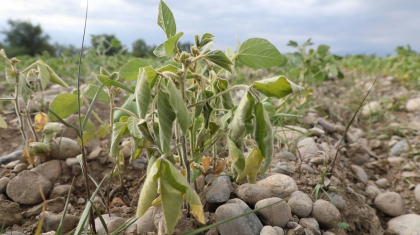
x: 166, y: 20
x: 218, y: 57
x: 142, y: 93
x: 264, y: 136
x: 258, y: 53
x: 160, y: 50
x: 63, y: 105
x: 171, y: 44
x: 278, y: 87
x: 322, y: 49
x: 130, y: 70
x: 220, y: 166
x: 149, y: 191
x: 237, y: 125
x: 90, y: 90
x: 119, y: 130
x: 252, y: 164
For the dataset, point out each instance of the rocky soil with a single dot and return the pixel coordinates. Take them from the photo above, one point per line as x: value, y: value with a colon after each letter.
x: 374, y: 188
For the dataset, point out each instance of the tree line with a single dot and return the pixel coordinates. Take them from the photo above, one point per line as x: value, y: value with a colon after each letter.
x: 24, y: 38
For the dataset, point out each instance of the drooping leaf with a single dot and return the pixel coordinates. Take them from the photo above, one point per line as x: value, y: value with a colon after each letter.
x: 264, y: 136
x: 226, y: 99
x: 166, y: 20
x: 237, y: 157
x: 258, y: 53
x: 10, y: 76
x: 129, y: 105
x: 237, y: 125
x: 3, y: 124
x: 149, y: 191
x: 44, y: 74
x: 278, y: 87
x: 171, y: 44
x: 178, y: 105
x: 166, y: 118
x: 119, y: 130
x: 41, y: 119
x: 252, y: 164
x: 130, y: 70
x: 160, y: 50
x: 142, y: 125
x: 171, y: 202
x: 63, y: 105
x: 218, y: 57
x: 54, y: 78
x: 151, y: 76
x: 3, y: 54
x: 91, y: 90
x: 142, y: 93
x: 132, y: 124
x: 24, y: 91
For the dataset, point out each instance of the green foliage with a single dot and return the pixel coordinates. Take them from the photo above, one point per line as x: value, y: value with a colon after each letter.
x: 106, y: 44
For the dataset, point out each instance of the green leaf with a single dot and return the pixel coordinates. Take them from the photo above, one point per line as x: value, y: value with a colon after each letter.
x: 237, y: 157
x: 278, y: 87
x: 103, y: 130
x: 166, y: 118
x: 322, y: 49
x: 63, y: 105
x: 149, y: 191
x: 171, y: 45
x: 132, y: 123
x: 9, y: 77
x: 24, y: 91
x: 142, y: 93
x: 129, y: 105
x: 151, y: 76
x: 119, y: 130
x: 88, y: 132
x: 292, y: 44
x: 258, y: 53
x: 3, y: 124
x: 142, y: 125
x: 91, y: 90
x: 252, y: 164
x: 54, y: 78
x: 166, y: 20
x: 226, y: 99
x: 3, y: 54
x: 218, y: 57
x: 130, y: 70
x: 237, y: 125
x: 171, y: 203
x: 101, y: 78
x: 115, y: 42
x: 160, y: 50
x: 44, y: 74
x: 318, y: 74
x: 264, y: 136
x: 178, y: 105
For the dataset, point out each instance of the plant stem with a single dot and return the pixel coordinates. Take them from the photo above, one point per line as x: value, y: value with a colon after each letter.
x: 219, y: 94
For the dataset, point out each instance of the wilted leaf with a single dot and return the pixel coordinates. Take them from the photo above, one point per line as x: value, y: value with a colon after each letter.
x: 237, y: 157
x: 206, y: 163
x: 41, y: 119
x: 166, y: 118
x: 278, y: 87
x: 220, y: 166
x: 119, y: 130
x: 129, y: 105
x: 3, y: 124
x: 252, y: 164
x: 142, y: 93
x: 237, y: 125
x: 264, y: 136
x: 258, y: 53
x: 149, y: 191
x: 178, y: 105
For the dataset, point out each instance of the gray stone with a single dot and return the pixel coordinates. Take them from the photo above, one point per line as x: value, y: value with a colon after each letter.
x: 60, y: 190
x: 281, y: 169
x: 20, y: 167
x: 275, y: 215
x: 144, y: 224
x: 63, y: 148
x: 413, y: 105
x: 10, y: 213
x: 252, y: 193
x: 249, y: 224
x: 326, y: 214
x: 307, y: 147
x: 55, y: 205
x: 112, y: 223
x: 52, y: 170
x: 280, y: 185
x: 94, y: 154
x: 372, y: 191
x: 72, y: 162
x: 219, y: 190
x: 338, y: 201
x: 311, y: 224
x: 140, y: 163
x: 360, y: 159
x: 382, y: 183
x: 81, y: 201
x: 308, y: 168
x: 398, y: 148
x: 52, y: 221
x: 404, y: 225
x: 269, y: 230
x: 390, y: 203
x: 417, y: 193
x: 16, y: 155
x: 3, y: 184
x: 287, y: 156
x: 300, y: 204
x: 25, y: 188
x: 360, y: 173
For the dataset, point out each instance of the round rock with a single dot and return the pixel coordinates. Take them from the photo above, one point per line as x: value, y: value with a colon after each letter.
x: 417, y: 193
x: 326, y: 214
x: 360, y: 173
x: 372, y: 191
x: 252, y: 193
x: 307, y: 147
x: 287, y: 156
x: 269, y: 230
x: 25, y: 188
x: 280, y: 185
x: 339, y: 201
x: 311, y: 224
x: 10, y: 213
x: 300, y: 204
x: 219, y: 191
x: 3, y: 184
x: 404, y: 224
x: 275, y: 215
x: 390, y: 203
x: 68, y: 148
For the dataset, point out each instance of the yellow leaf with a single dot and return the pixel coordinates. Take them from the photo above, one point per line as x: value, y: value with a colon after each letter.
x: 3, y: 124
x: 206, y: 163
x: 197, y: 211
x: 157, y: 201
x: 220, y: 166
x: 41, y: 119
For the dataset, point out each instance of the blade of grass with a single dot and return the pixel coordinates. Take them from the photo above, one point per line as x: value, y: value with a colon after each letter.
x: 63, y: 218
x: 100, y: 216
x: 44, y: 207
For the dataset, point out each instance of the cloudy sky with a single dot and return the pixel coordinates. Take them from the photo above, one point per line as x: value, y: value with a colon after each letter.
x: 348, y: 26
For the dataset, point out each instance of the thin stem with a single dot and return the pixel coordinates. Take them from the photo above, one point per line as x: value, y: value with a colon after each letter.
x: 7, y: 99
x: 219, y: 94
x: 29, y: 67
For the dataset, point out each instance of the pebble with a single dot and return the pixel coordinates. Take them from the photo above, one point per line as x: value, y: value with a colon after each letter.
x: 72, y: 162
x: 219, y: 190
x: 280, y: 185
x: 81, y: 201
x: 338, y: 201
x: 68, y: 148
x: 417, y: 193
x: 360, y: 158
x: 360, y: 173
x: 55, y: 205
x: 382, y: 183
x: 3, y: 184
x: 16, y: 155
x: 60, y: 191
x: 249, y: 224
x: 311, y: 224
x: 326, y: 214
x: 404, y: 224
x: 12, y: 164
x: 300, y: 204
x: 112, y: 223
x: 371, y: 108
x: 52, y: 221
x: 94, y: 154
x: 25, y: 188
x: 372, y: 191
x: 290, y: 133
x: 395, y: 161
x: 275, y: 215
x: 52, y: 170
x: 281, y: 169
x: 252, y: 193
x: 307, y: 147
x: 19, y: 168
x: 390, y: 203
x: 15, y: 233
x: 308, y: 168
x: 413, y: 105
x: 144, y: 224
x: 139, y: 163
x: 287, y: 156
x: 269, y: 230
x: 10, y: 213
x: 410, y: 174
x: 317, y: 131
x: 398, y: 148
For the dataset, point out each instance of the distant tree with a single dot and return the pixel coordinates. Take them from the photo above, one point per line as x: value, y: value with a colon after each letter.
x: 184, y: 46
x: 141, y: 49
x: 23, y: 38
x: 106, y: 44
x: 64, y: 50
